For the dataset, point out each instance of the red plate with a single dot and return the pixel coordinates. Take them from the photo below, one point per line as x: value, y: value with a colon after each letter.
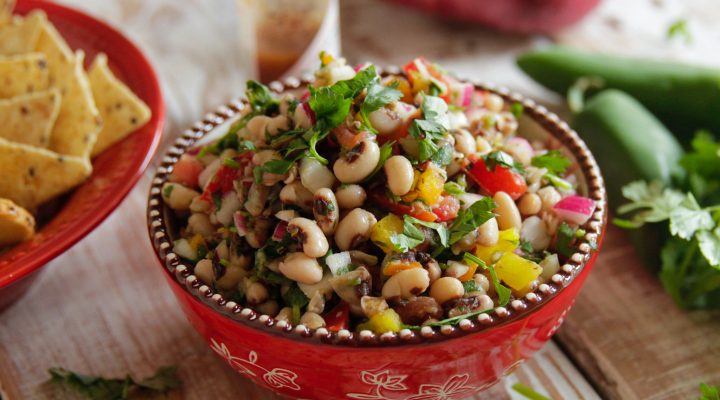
x: 115, y: 171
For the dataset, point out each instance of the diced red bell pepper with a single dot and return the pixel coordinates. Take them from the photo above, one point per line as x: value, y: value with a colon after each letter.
x: 186, y: 171
x: 222, y: 182
x: 501, y: 179
x: 338, y: 318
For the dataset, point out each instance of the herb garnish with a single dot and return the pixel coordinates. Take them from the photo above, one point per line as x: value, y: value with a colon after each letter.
x: 498, y: 157
x: 469, y: 219
x: 502, y: 291
x: 432, y: 128
x: 378, y: 95
x: 99, y: 388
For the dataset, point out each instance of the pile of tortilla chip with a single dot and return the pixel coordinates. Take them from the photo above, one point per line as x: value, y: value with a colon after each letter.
x: 54, y: 117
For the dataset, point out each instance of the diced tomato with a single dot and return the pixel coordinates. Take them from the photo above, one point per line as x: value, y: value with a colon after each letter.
x: 501, y: 179
x: 447, y: 209
x: 222, y: 182
x: 347, y: 138
x: 415, y: 211
x: 186, y: 171
x: 420, y: 81
x: 338, y: 318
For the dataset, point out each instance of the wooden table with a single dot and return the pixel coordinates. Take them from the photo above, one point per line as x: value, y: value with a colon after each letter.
x: 103, y: 307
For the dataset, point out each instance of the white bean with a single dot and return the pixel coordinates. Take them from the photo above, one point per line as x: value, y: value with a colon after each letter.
x: 385, y: 120
x: 530, y: 204
x: 400, y: 175
x: 354, y: 229
x: 456, y: 269
x: 200, y: 223
x: 350, y: 196
x: 534, y: 231
x: 549, y: 196
x: 256, y: 293
x: 177, y: 196
x: 508, y: 215
x: 314, y: 175
x: 488, y: 233
x: 357, y: 163
x: 277, y: 124
x: 465, y: 142
x: 204, y: 271
x: 256, y: 128
x: 296, y: 194
x: 312, y: 320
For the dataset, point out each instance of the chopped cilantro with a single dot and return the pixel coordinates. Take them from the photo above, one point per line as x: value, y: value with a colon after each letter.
x: 517, y: 109
x: 167, y: 191
x: 453, y: 188
x: 217, y: 199
x: 469, y: 219
x: 497, y: 157
x: 554, y: 161
x: 231, y: 162
x: 432, y: 128
x: 378, y: 95
x: 565, y: 238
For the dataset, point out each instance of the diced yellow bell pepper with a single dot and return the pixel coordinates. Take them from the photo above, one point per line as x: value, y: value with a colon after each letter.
x: 383, y: 230
x: 385, y: 321
x: 196, y: 241
x: 516, y: 271
x: 508, y: 241
x: 430, y: 185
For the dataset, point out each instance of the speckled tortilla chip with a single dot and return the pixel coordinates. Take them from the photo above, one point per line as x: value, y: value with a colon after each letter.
x: 29, y: 118
x: 121, y: 110
x: 79, y: 122
x: 21, y: 34
x: 23, y: 74
x: 6, y: 8
x: 16, y: 223
x: 56, y: 50
x: 31, y: 176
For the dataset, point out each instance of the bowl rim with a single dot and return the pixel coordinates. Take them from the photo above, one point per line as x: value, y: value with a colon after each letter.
x: 157, y: 105
x: 516, y: 309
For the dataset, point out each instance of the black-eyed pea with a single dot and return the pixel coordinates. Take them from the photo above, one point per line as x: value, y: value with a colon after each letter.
x: 488, y: 233
x: 482, y: 283
x: 256, y: 293
x: 400, y: 175
x: 358, y: 162
x: 285, y: 314
x: 485, y: 302
x: 493, y: 102
x: 508, y: 215
x: 204, y: 271
x: 534, y: 231
x: 446, y: 289
x: 465, y: 142
x: 456, y: 269
x: 296, y: 194
x: 350, y: 196
x: 177, y: 196
x: 312, y: 320
x: 200, y: 223
x: 548, y: 196
x: 326, y: 210
x: 406, y: 284
x: 385, y: 119
x: 301, y: 268
x: 231, y: 277
x: 354, y: 229
x: 311, y: 237
x: 530, y: 204
x: 433, y: 269
x: 316, y: 303
x: 277, y: 124
x: 269, y: 307
x: 314, y: 175
x: 256, y: 127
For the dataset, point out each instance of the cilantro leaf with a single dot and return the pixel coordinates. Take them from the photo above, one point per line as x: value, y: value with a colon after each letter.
x: 97, y: 387
x: 441, y: 230
x: 709, y: 243
x: 330, y: 107
x: 497, y: 157
x: 443, y: 156
x: 432, y: 128
x: 517, y: 109
x: 350, y: 88
x: 260, y: 97
x: 410, y: 238
x: 554, y: 161
x: 453, y: 189
x: 435, y: 110
x: 469, y: 219
x: 378, y: 95
x: 565, y: 238
x: 688, y: 218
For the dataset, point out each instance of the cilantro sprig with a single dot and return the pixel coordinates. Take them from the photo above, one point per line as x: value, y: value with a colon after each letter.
x: 99, y: 388
x: 412, y: 236
x: 469, y: 219
x: 430, y: 130
x: 378, y: 95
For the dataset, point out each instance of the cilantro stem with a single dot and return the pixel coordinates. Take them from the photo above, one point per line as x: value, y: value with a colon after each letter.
x: 528, y: 392
x: 688, y: 258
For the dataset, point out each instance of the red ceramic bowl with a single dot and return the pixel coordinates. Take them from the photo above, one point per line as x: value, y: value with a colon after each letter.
x: 115, y: 171
x: 451, y: 362
x: 522, y: 16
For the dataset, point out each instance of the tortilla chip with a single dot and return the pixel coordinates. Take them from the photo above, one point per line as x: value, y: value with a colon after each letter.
x: 6, y: 9
x: 22, y: 34
x: 29, y: 118
x: 121, y: 110
x: 16, y: 223
x: 56, y: 50
x: 31, y: 176
x: 79, y: 122
x: 23, y: 74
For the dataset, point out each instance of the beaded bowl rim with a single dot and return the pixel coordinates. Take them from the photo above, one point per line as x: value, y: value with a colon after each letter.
x: 516, y: 309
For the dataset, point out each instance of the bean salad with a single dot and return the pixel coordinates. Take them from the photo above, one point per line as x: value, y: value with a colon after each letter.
x: 369, y: 202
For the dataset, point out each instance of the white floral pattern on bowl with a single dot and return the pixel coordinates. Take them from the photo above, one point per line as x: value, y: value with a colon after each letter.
x: 277, y: 378
x: 453, y: 388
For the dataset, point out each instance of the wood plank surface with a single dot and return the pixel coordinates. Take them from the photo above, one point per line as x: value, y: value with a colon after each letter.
x: 104, y: 308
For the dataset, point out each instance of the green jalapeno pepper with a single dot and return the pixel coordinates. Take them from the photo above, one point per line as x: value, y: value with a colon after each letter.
x: 684, y: 97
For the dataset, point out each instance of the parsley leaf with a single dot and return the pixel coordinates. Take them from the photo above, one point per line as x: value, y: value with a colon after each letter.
x: 554, y: 161
x: 330, y: 107
x: 441, y: 230
x: 432, y: 128
x: 469, y: 219
x: 378, y: 95
x: 97, y: 387
x: 688, y: 218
